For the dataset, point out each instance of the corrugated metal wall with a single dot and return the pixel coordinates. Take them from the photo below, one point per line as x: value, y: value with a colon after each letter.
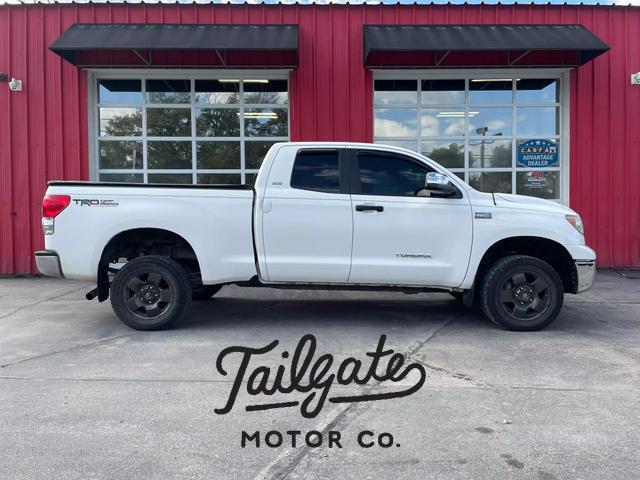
x: 43, y: 130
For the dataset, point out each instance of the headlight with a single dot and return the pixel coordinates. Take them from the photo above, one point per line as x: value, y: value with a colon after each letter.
x: 576, y: 221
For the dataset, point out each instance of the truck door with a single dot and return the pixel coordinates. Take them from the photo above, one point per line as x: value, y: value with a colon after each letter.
x: 400, y: 237
x: 307, y: 224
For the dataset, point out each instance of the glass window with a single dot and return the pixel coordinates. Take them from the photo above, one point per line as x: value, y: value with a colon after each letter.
x: 395, y: 92
x: 265, y: 122
x: 395, y: 122
x: 448, y: 154
x: 120, y: 122
x: 490, y: 90
x: 168, y: 122
x: 187, y: 130
x: 441, y: 122
x: 387, y: 174
x: 541, y: 184
x: 266, y: 91
x: 317, y: 170
x: 222, y: 155
x: 537, y: 90
x: 118, y: 155
x: 217, y: 122
x: 169, y: 155
x: 168, y: 91
x: 442, y: 92
x: 476, y: 125
x: 217, y: 92
x: 537, y: 121
x: 491, y: 181
x: 120, y: 92
x: 489, y: 153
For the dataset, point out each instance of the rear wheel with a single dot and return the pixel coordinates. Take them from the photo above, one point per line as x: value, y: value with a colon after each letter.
x: 521, y: 293
x: 204, y: 292
x: 150, y: 293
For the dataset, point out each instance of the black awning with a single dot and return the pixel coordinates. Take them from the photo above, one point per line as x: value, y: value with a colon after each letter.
x: 180, y: 45
x: 447, y: 46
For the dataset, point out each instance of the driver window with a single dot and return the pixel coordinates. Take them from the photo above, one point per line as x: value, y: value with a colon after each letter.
x: 384, y: 173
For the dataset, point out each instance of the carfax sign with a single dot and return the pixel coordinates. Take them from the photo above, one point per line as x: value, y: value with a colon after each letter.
x: 538, y: 153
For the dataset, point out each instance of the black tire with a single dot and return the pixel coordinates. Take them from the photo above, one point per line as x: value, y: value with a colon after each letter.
x: 150, y: 293
x: 204, y: 292
x: 521, y: 293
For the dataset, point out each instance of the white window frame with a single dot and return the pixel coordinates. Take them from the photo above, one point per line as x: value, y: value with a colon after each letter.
x: 93, y: 75
x: 563, y: 76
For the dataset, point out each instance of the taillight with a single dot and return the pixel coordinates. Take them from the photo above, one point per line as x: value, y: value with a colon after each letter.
x: 52, y: 205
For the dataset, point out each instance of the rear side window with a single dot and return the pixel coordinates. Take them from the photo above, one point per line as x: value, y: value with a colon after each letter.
x: 388, y: 174
x: 317, y: 170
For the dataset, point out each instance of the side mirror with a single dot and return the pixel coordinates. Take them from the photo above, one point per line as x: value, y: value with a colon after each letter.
x: 438, y: 185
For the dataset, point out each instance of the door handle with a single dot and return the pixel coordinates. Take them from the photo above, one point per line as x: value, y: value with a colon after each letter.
x: 367, y: 208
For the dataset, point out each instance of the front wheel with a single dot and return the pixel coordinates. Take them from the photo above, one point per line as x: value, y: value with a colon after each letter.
x: 521, y: 293
x: 150, y: 293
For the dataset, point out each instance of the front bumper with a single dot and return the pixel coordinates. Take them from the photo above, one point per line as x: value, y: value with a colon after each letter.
x: 48, y: 263
x: 586, y: 271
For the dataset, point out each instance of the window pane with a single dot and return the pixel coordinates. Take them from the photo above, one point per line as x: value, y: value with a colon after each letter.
x: 169, y: 178
x: 120, y: 122
x: 537, y: 90
x: 537, y: 121
x: 120, y: 91
x: 217, y: 122
x: 395, y: 122
x: 217, y: 92
x: 265, y: 91
x: 489, y: 153
x: 218, y: 178
x: 317, y: 170
x: 120, y: 155
x: 408, y: 144
x: 538, y: 153
x: 250, y: 178
x: 218, y: 154
x: 490, y: 121
x: 122, y: 177
x: 265, y: 122
x: 438, y: 122
x: 447, y: 154
x: 382, y: 174
x: 484, y: 90
x: 168, y: 122
x: 169, y: 154
x: 538, y: 184
x: 442, y: 92
x: 254, y: 153
x: 491, y: 182
x: 168, y: 91
x: 460, y: 175
x: 395, y: 92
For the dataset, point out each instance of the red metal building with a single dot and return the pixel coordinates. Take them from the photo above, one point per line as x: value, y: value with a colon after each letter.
x: 102, y: 113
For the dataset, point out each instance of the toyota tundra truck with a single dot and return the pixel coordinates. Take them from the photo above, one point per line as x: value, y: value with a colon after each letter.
x: 320, y: 216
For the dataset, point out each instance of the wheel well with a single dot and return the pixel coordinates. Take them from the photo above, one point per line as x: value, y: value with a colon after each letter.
x: 139, y: 242
x: 547, y: 250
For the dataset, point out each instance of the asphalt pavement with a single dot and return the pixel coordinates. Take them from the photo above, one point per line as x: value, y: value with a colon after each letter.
x: 84, y: 397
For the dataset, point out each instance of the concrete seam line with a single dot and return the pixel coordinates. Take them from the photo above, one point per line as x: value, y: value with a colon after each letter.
x: 284, y: 464
x: 75, y: 347
x: 42, y: 301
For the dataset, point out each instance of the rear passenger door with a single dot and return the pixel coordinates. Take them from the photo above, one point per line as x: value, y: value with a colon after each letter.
x: 306, y: 217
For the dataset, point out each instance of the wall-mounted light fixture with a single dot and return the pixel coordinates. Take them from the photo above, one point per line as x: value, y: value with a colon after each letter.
x: 4, y: 77
x: 635, y: 78
x: 15, y: 85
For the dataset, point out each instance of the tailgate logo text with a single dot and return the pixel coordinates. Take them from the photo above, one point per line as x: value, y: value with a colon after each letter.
x: 86, y: 202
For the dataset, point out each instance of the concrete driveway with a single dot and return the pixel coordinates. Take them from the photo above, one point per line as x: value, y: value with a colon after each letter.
x: 83, y: 397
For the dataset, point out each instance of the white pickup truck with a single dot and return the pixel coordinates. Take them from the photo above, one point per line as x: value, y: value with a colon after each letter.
x: 323, y: 216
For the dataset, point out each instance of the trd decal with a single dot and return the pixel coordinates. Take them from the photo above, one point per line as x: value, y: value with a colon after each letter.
x: 86, y: 202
